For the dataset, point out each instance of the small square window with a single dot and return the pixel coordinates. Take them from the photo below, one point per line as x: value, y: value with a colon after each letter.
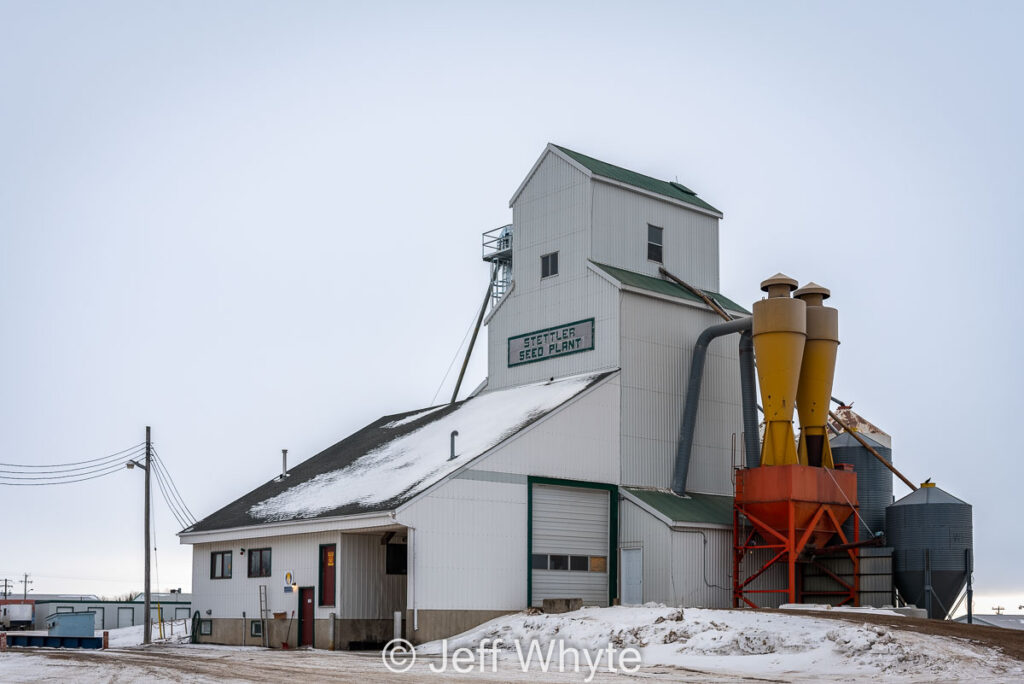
x: 259, y: 562
x: 559, y: 563
x: 549, y: 265
x: 598, y: 564
x: 256, y: 628
x: 206, y: 627
x: 397, y: 560
x: 655, y: 237
x: 220, y: 565
x: 539, y: 561
x: 579, y: 563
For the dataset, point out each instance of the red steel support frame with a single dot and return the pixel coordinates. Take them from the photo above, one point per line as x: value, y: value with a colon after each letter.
x: 787, y: 547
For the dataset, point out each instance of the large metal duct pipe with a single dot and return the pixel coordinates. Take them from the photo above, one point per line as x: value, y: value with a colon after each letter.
x: 748, y: 394
x: 700, y: 350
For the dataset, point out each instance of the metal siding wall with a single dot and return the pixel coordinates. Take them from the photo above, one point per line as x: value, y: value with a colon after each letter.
x: 299, y: 555
x: 620, y: 222
x: 657, y: 346
x: 578, y: 442
x: 676, y: 562
x: 553, y: 214
x: 571, y: 521
x: 469, y: 550
x: 366, y: 591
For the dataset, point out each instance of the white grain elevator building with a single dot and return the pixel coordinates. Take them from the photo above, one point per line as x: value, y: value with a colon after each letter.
x: 558, y: 482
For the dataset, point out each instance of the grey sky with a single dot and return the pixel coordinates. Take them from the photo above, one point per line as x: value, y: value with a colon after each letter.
x: 256, y: 225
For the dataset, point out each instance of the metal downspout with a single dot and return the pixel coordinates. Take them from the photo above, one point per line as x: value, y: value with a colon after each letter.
x: 748, y: 392
x: 700, y: 350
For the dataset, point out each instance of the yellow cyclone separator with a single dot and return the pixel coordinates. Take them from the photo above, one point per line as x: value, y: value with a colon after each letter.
x: 816, y: 374
x: 780, y: 331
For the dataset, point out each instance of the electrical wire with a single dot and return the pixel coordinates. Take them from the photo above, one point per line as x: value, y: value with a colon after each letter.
x: 174, y: 487
x: 114, y: 469
x: 77, y: 470
x: 56, y: 478
x: 167, y: 499
x: 75, y: 463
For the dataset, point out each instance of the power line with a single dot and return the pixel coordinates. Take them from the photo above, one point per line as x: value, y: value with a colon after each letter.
x: 32, y: 470
x: 114, y: 469
x: 174, y: 487
x: 91, y: 471
x: 74, y: 463
x: 167, y: 500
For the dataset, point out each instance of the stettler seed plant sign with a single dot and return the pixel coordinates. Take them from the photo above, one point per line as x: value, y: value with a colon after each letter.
x: 551, y: 342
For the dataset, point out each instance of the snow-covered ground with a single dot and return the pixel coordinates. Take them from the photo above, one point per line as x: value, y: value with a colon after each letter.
x: 694, y: 645
x: 747, y: 644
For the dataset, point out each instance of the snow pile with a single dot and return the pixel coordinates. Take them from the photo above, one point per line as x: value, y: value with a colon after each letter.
x: 746, y: 643
x: 418, y: 459
x: 124, y: 637
x: 408, y: 419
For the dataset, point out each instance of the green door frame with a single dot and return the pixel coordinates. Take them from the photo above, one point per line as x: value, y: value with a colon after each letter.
x: 613, y: 530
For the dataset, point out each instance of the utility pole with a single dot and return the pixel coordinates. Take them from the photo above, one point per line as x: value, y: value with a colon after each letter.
x: 147, y: 636
x: 7, y: 587
x: 24, y: 587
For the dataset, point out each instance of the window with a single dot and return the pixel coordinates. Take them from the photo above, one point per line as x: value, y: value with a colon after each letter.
x: 549, y: 265
x: 259, y: 562
x: 654, y: 243
x: 220, y: 565
x: 206, y: 627
x: 543, y: 561
x: 396, y: 562
x: 256, y: 628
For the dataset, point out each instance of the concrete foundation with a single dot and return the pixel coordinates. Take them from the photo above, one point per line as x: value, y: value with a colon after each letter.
x: 348, y: 633
x: 440, y: 624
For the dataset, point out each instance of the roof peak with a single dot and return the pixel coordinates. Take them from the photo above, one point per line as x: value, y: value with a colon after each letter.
x: 671, y: 189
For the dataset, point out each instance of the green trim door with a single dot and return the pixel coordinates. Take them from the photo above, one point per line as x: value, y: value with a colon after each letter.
x: 572, y: 539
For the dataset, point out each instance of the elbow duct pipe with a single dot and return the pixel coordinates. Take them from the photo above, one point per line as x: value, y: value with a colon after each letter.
x: 700, y: 350
x: 748, y: 393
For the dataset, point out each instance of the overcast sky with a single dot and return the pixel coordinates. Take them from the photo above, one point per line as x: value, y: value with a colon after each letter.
x: 257, y: 225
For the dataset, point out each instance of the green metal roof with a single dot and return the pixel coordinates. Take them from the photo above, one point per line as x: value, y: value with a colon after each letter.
x: 693, y: 508
x: 675, y: 191
x: 665, y: 287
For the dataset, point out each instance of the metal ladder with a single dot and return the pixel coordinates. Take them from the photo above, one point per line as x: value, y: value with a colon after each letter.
x: 263, y: 614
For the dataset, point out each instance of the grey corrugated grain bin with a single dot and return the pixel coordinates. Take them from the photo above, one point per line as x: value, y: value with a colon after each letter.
x: 874, y: 480
x: 930, y: 528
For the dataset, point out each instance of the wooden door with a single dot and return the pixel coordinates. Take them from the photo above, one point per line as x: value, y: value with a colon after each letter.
x: 306, y: 614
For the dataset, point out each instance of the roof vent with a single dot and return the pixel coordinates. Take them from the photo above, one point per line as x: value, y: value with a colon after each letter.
x: 680, y: 186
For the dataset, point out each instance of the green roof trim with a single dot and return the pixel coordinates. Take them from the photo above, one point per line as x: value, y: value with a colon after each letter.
x: 666, y: 287
x: 675, y: 191
x: 692, y: 508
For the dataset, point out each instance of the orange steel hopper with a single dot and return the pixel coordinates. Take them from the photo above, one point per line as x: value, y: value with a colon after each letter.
x: 787, y: 511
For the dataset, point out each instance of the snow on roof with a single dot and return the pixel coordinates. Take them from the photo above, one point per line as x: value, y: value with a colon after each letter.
x: 412, y: 461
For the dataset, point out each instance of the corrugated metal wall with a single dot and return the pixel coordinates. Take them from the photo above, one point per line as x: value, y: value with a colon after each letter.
x: 579, y: 442
x: 360, y: 593
x: 620, y: 220
x: 680, y: 569
x: 469, y: 546
x: 553, y: 214
x: 657, y: 344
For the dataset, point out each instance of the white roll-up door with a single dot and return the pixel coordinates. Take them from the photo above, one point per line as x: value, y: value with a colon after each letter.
x: 570, y: 544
